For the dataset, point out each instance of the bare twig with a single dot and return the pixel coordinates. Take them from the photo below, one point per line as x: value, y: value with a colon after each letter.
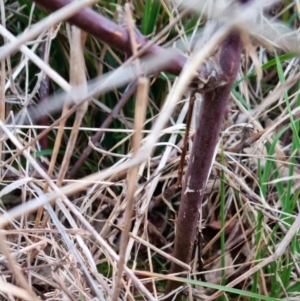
x: 125, y: 97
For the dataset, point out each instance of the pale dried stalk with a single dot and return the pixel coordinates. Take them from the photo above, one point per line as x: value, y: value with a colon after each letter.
x: 151, y: 139
x: 60, y: 15
x: 140, y: 111
x: 159, y: 251
x: 59, y: 135
x: 66, y: 212
x: 27, y: 207
x: 279, y: 252
x: 140, y: 114
x: 150, y: 190
x: 10, y: 289
x: 37, y: 61
x: 77, y: 78
x: 270, y: 99
x: 56, y: 148
x: 10, y: 84
x: 20, y: 279
x: 119, y: 77
x: 71, y: 245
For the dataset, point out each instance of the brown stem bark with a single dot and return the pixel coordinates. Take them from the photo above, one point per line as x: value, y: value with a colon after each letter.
x: 113, y: 34
x: 212, y: 113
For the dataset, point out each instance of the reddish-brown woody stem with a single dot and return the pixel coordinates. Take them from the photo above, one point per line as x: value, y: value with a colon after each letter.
x: 113, y: 34
x: 212, y: 113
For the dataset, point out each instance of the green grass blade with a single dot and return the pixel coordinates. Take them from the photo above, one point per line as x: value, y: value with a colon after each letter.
x: 226, y: 289
x: 150, y: 17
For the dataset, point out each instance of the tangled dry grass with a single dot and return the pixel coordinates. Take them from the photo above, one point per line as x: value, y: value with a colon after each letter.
x: 106, y: 230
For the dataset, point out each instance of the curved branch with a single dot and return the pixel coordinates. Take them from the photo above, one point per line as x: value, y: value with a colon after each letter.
x: 113, y: 34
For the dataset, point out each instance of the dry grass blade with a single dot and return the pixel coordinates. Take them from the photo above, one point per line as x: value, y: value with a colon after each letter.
x: 140, y: 110
x: 150, y: 141
x: 279, y: 251
x: 48, y: 22
x: 90, y: 197
x: 37, y: 61
x: 14, y: 290
x: 77, y: 78
x: 96, y: 87
x: 66, y: 190
x: 53, y: 215
x: 16, y: 271
x: 71, y: 246
x: 58, y: 193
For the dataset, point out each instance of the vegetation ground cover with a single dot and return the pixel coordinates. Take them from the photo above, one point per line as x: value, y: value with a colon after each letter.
x: 97, y: 129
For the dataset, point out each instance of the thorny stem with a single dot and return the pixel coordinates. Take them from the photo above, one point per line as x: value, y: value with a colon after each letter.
x: 211, y: 116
